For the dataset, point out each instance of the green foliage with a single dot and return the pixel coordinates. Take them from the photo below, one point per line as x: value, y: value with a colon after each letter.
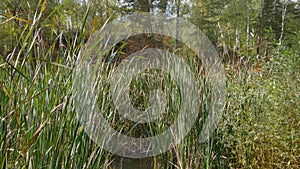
x: 260, y: 125
x: 40, y: 42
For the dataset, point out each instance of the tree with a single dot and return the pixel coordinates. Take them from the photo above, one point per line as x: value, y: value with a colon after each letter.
x: 237, y: 27
x: 292, y: 24
x: 205, y: 14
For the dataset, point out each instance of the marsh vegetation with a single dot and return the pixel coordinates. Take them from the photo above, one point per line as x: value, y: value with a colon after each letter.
x: 258, y: 41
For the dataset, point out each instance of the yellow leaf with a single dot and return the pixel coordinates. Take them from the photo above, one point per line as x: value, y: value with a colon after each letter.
x: 22, y: 20
x: 44, y: 5
x: 5, y: 90
x: 80, y: 129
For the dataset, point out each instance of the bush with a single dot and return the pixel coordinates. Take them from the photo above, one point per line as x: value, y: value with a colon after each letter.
x: 259, y: 129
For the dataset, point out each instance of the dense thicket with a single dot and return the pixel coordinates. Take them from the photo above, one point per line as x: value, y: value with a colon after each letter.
x: 41, y: 40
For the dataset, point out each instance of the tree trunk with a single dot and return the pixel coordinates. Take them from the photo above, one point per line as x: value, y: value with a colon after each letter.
x: 260, y: 26
x: 177, y: 26
x: 284, y: 4
x: 248, y: 30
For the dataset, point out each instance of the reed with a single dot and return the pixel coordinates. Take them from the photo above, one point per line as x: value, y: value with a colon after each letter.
x: 259, y: 127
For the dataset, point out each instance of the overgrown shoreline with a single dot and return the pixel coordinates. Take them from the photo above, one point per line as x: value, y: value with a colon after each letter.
x: 39, y: 129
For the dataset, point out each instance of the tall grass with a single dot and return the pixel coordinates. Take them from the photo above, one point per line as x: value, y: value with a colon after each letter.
x: 259, y: 128
x: 38, y: 124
